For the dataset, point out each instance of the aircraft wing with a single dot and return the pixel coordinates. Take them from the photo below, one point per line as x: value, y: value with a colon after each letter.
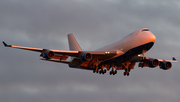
x: 152, y: 62
x: 173, y: 60
x: 160, y: 60
x: 94, y: 54
x: 63, y: 52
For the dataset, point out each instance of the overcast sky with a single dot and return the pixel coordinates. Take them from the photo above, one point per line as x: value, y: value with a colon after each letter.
x: 94, y: 23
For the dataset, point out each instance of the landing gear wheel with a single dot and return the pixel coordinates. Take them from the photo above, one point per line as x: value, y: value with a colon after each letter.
x: 104, y: 71
x: 124, y: 73
x: 129, y: 70
x: 115, y: 72
x: 110, y: 73
x: 127, y: 74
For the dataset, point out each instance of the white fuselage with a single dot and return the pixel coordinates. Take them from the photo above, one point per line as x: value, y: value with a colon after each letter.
x: 135, y: 39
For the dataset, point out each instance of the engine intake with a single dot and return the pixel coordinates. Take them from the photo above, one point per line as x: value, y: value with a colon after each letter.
x: 86, y: 57
x: 153, y: 63
x: 166, y: 65
x: 48, y: 54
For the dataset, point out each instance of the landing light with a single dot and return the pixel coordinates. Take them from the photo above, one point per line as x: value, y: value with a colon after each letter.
x: 139, y: 55
x: 107, y: 52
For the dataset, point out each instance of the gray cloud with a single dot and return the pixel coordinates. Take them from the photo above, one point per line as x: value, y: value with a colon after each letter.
x: 44, y: 23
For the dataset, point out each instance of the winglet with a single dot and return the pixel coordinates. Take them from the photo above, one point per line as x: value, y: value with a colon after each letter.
x: 174, y: 59
x: 6, y: 45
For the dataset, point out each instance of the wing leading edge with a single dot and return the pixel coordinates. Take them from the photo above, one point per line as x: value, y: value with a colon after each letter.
x: 97, y: 54
x: 63, y: 52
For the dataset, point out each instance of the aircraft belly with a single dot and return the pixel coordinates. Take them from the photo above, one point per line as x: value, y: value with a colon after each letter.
x: 130, y: 53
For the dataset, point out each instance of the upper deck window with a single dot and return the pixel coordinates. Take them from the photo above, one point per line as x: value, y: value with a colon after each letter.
x: 145, y: 30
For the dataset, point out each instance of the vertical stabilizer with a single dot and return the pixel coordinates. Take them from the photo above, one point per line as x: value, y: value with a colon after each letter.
x: 73, y: 44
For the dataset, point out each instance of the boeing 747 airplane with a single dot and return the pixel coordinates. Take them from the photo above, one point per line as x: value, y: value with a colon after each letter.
x: 121, y: 55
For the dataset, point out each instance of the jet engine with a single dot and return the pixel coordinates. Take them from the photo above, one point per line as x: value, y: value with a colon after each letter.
x: 166, y: 65
x: 153, y: 63
x: 86, y: 57
x: 48, y: 54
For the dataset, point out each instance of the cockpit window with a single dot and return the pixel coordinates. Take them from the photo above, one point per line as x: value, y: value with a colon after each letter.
x: 145, y: 30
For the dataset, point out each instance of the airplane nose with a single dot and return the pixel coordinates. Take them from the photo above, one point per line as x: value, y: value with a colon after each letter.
x: 152, y: 37
x: 147, y: 37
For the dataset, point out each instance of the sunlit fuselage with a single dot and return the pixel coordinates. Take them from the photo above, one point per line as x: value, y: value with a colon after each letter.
x: 131, y: 45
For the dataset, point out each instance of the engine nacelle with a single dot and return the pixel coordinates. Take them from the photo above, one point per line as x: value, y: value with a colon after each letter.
x: 48, y: 54
x: 166, y: 65
x: 153, y: 63
x: 86, y: 57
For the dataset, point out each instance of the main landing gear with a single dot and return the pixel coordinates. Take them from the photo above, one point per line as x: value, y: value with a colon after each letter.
x: 126, y: 72
x: 103, y: 70
x: 96, y: 64
x: 112, y: 72
x: 127, y: 66
x: 127, y: 69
